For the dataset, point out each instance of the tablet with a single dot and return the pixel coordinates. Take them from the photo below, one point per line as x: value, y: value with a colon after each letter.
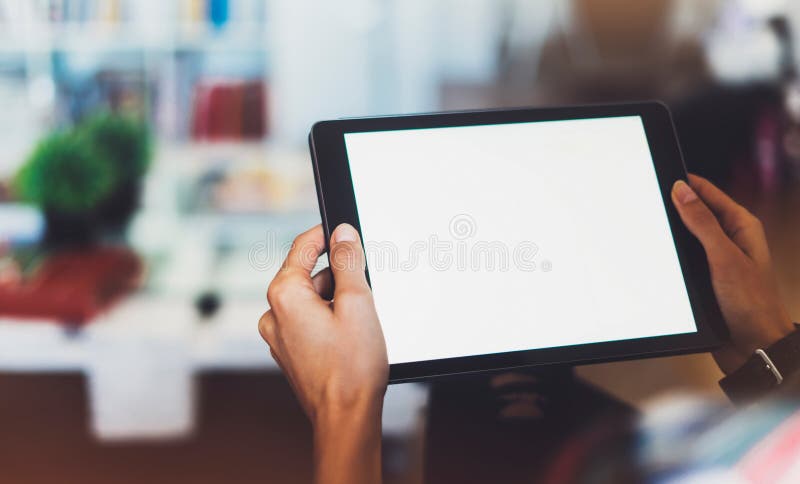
x: 500, y: 239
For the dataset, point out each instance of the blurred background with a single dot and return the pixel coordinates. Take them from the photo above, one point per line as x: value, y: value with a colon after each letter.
x: 154, y: 163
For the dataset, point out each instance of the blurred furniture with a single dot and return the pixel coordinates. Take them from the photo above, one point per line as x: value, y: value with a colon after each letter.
x: 141, y: 357
x: 620, y: 51
x: 73, y: 286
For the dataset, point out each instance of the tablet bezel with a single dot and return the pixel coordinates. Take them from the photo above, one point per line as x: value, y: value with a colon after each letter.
x: 338, y: 205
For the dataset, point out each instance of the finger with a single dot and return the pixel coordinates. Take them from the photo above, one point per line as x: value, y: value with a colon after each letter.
x: 701, y: 222
x: 743, y: 228
x: 305, y: 251
x: 266, y: 327
x: 323, y: 283
x: 347, y: 261
x: 718, y: 201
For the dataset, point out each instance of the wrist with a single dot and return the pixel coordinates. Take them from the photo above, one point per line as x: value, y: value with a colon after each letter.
x: 764, y: 371
x: 765, y: 339
x: 347, y: 442
x: 363, y: 410
x: 780, y: 331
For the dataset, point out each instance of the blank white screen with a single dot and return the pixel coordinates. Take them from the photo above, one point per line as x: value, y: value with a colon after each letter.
x: 577, y: 201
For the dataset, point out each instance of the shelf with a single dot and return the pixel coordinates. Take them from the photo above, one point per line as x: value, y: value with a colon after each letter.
x: 241, y: 36
x: 228, y: 340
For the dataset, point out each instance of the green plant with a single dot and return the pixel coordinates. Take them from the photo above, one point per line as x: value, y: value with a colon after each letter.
x: 87, y: 181
x: 64, y: 174
x: 123, y: 141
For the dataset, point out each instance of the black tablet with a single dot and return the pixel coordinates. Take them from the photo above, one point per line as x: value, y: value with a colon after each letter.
x: 500, y: 239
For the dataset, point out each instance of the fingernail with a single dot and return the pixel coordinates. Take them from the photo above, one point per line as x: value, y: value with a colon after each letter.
x: 684, y: 192
x: 345, y: 233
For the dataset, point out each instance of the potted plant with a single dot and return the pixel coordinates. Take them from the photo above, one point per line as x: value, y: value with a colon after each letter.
x: 124, y: 143
x: 66, y: 179
x: 87, y: 181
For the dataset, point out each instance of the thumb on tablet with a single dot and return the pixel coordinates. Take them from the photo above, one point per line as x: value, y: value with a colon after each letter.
x: 348, y: 262
x: 701, y: 221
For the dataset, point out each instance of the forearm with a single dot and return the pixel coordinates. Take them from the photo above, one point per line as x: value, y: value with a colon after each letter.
x: 347, y: 445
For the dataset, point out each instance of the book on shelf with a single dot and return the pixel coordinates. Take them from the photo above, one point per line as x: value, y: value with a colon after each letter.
x: 229, y: 110
x: 216, y: 13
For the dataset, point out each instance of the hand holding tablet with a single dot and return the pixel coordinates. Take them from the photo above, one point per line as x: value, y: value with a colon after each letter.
x: 506, y: 238
x: 741, y: 266
x: 331, y: 348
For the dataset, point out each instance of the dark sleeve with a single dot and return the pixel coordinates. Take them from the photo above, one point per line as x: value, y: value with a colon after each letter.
x: 755, y: 379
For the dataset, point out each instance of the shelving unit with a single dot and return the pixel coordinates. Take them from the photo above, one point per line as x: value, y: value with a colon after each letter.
x: 64, y: 58
x: 211, y: 202
x: 57, y: 52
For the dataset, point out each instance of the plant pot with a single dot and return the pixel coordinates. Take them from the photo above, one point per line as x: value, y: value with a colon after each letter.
x: 68, y: 230
x: 116, y: 211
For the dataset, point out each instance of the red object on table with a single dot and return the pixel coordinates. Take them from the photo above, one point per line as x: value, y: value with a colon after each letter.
x: 74, y: 286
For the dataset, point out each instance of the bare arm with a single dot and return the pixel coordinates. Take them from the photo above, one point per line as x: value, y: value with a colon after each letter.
x: 347, y: 445
x: 332, y: 352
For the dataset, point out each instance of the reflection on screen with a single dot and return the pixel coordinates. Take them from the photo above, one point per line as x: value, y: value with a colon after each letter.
x: 495, y: 238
